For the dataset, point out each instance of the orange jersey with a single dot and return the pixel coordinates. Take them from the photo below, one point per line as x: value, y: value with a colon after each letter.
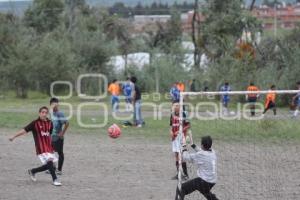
x: 114, y: 89
x: 181, y: 87
x: 271, y: 96
x: 252, y: 88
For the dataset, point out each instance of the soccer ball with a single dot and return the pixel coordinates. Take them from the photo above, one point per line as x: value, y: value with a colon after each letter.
x: 114, y: 131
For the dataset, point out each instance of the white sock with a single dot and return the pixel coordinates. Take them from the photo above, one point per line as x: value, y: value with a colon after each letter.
x: 296, y: 113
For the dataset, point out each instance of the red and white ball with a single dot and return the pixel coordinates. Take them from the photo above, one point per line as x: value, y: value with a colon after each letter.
x: 114, y: 131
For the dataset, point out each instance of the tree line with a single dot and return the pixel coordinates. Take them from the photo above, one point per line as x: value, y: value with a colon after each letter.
x: 60, y: 39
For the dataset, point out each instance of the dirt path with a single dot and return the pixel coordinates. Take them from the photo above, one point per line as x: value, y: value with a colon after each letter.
x: 97, y: 167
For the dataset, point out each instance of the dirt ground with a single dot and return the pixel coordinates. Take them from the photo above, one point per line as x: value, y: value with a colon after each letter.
x: 97, y: 167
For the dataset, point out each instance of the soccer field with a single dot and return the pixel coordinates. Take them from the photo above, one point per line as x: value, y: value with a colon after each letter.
x: 256, y: 160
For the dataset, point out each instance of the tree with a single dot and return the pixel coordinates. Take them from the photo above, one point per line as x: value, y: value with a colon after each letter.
x: 44, y: 15
x: 72, y: 6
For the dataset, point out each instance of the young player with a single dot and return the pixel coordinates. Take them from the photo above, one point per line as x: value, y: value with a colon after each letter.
x: 296, y: 99
x: 114, y: 89
x: 225, y: 97
x: 41, y: 129
x: 205, y: 159
x: 137, y: 104
x: 174, y: 132
x: 252, y: 98
x: 180, y: 86
x: 270, y: 100
x: 60, y: 126
x: 175, y: 93
x: 128, y: 89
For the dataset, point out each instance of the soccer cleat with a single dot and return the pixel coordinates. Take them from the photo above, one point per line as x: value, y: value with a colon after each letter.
x: 57, y: 183
x: 31, y: 175
x: 139, y: 126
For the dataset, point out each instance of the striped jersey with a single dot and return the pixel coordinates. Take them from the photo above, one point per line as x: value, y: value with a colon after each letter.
x: 41, y: 131
x: 175, y: 124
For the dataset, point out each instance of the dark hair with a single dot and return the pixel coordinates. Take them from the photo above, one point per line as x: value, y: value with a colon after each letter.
x: 298, y: 83
x: 53, y: 100
x: 134, y: 79
x: 43, y: 108
x: 273, y: 86
x: 115, y: 80
x: 206, y: 142
x: 226, y: 83
x: 251, y: 83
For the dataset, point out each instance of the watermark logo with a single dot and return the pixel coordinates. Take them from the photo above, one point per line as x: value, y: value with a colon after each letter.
x: 94, y: 112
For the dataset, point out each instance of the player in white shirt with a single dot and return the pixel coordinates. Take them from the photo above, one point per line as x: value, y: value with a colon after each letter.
x: 205, y: 158
x: 296, y: 100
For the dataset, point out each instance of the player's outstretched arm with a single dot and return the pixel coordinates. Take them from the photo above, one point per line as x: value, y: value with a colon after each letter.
x: 19, y: 133
x: 186, y: 156
x: 195, y: 147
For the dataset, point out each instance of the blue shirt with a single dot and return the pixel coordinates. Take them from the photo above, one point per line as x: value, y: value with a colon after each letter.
x: 175, y: 94
x: 58, y: 120
x: 224, y: 88
x: 127, y: 89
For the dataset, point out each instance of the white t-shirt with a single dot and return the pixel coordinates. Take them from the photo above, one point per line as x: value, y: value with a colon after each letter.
x: 206, y: 162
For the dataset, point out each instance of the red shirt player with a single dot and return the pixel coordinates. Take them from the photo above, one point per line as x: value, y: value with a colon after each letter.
x: 41, y: 129
x: 174, y: 131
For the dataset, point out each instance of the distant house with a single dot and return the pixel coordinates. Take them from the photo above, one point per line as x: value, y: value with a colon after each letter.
x: 286, y: 17
x: 141, y: 22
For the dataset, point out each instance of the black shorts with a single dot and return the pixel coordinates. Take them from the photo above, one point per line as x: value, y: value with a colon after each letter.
x: 271, y: 105
x: 252, y: 99
x: 58, y: 145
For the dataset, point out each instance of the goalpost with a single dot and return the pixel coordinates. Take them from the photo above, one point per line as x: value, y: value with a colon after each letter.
x: 215, y: 93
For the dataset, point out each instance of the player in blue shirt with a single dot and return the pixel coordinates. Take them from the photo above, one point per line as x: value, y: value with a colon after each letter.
x: 175, y: 93
x: 225, y: 98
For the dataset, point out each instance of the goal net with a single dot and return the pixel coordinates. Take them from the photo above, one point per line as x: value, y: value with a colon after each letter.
x: 256, y: 141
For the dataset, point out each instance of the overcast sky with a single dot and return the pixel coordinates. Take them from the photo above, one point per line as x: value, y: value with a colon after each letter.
x: 13, y: 0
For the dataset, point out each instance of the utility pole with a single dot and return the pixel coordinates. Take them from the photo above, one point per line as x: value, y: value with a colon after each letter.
x: 275, y: 20
x: 71, y: 14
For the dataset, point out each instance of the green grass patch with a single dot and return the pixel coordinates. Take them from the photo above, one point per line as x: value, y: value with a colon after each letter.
x: 271, y: 130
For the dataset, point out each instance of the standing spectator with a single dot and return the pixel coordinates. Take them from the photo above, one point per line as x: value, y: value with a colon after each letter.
x: 296, y: 100
x: 252, y: 98
x: 193, y: 86
x: 137, y: 103
x: 128, y: 89
x: 225, y: 98
x: 114, y: 90
x: 181, y: 86
x: 175, y: 93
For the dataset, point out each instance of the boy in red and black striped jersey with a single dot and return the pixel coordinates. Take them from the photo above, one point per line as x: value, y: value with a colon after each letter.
x: 41, y: 129
x: 174, y: 132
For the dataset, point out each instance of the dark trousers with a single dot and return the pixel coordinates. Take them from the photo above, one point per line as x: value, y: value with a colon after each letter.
x: 196, y: 184
x: 271, y: 105
x: 49, y: 166
x: 252, y: 102
x: 58, y: 146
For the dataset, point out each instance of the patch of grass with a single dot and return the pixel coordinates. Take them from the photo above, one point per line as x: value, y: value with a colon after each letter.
x: 237, y: 130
